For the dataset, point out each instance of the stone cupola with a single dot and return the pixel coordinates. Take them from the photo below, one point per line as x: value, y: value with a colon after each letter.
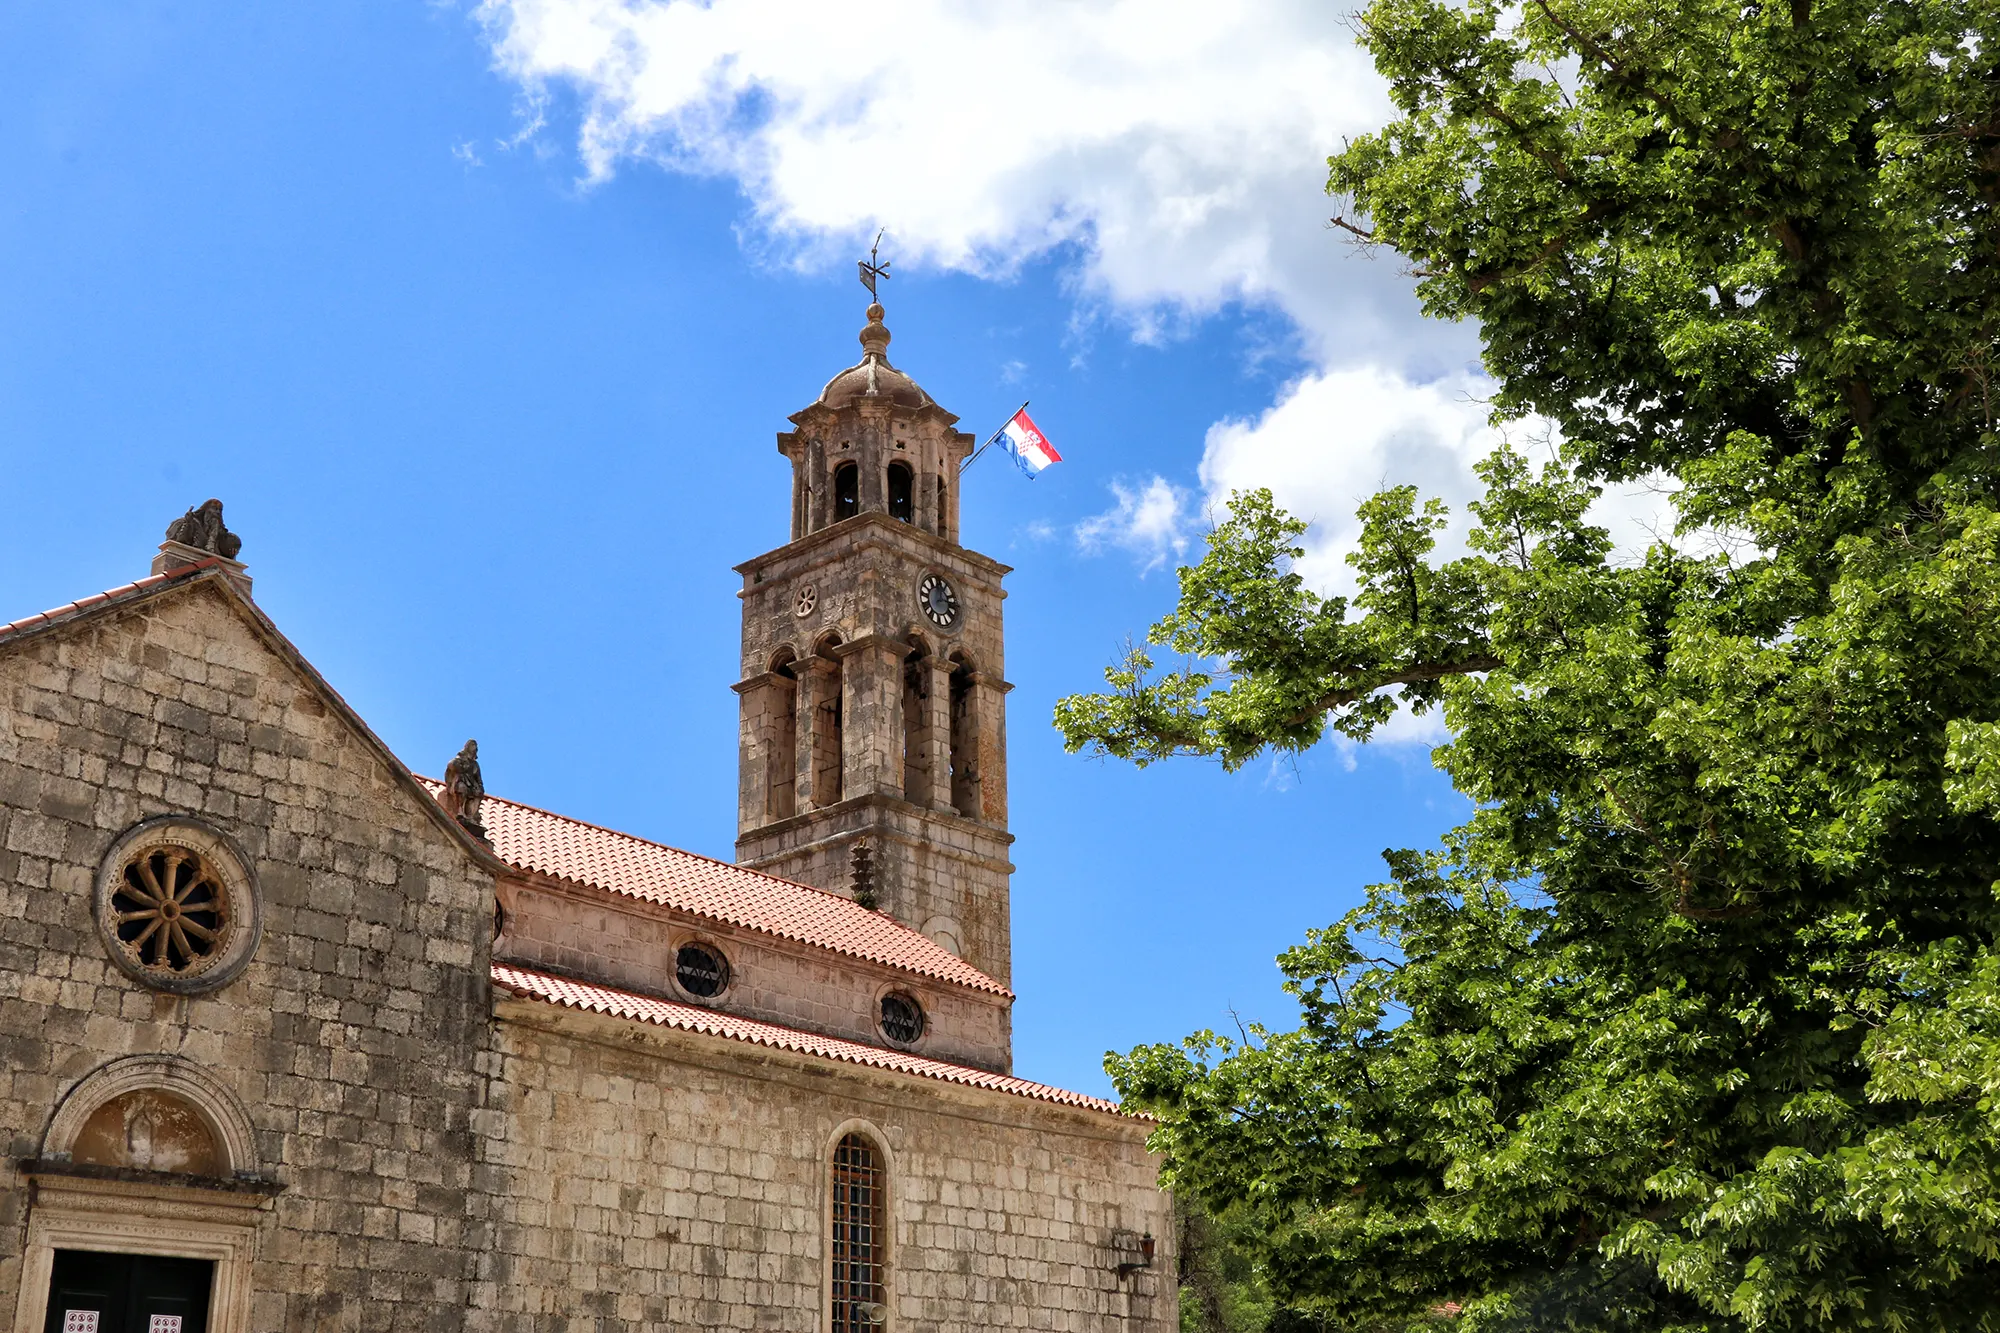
x: 874, y: 442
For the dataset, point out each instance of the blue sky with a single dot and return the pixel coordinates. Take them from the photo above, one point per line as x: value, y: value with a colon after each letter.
x: 481, y: 321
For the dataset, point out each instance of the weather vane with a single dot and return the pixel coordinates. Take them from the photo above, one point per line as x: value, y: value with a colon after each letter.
x: 870, y: 270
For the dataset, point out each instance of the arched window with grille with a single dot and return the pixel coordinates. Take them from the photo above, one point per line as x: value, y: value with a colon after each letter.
x: 860, y: 1239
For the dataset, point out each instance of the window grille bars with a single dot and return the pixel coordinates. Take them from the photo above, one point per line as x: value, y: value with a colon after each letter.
x: 857, y: 1233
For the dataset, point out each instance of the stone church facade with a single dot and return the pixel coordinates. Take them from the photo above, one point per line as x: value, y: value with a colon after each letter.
x: 291, y: 1038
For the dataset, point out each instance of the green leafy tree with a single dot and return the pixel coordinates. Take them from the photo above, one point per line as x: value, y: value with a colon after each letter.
x: 1220, y: 1288
x: 1696, y: 1022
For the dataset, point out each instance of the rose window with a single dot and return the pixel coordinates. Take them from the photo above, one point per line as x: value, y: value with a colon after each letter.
x: 176, y: 905
x: 172, y: 910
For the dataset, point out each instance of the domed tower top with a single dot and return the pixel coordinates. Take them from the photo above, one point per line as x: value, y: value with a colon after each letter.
x: 874, y: 442
x: 873, y: 376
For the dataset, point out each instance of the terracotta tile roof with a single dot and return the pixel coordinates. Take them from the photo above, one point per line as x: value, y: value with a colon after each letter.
x: 692, y: 1018
x: 564, y: 848
x: 97, y: 600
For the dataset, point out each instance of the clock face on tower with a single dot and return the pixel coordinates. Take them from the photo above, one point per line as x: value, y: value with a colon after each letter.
x: 940, y: 603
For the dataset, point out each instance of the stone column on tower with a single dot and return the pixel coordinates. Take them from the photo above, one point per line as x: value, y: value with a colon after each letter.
x: 937, y: 735
x: 872, y: 697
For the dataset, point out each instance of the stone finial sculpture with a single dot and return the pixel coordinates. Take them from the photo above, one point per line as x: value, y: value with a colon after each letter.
x: 464, y: 789
x: 203, y: 529
x: 862, y: 864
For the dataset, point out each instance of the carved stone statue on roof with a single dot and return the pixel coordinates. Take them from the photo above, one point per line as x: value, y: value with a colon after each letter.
x: 464, y: 789
x: 203, y: 529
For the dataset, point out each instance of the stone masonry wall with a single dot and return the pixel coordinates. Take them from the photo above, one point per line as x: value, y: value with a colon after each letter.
x: 943, y: 876
x: 652, y: 1180
x: 592, y: 934
x: 354, y: 1036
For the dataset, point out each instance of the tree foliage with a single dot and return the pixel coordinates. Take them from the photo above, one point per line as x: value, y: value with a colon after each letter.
x: 1695, y: 1024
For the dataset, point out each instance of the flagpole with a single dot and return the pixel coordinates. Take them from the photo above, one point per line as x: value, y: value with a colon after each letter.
x: 974, y: 456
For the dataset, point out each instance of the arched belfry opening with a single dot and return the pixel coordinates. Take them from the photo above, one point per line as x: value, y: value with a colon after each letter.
x: 825, y: 754
x: 902, y: 492
x: 781, y: 755
x: 964, y: 712
x: 846, y: 491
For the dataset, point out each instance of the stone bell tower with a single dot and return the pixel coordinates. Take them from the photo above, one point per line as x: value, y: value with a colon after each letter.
x: 873, y: 747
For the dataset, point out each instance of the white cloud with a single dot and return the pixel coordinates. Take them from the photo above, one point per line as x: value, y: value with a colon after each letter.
x: 1179, y: 147
x: 1151, y: 521
x: 1172, y: 150
x: 1336, y: 437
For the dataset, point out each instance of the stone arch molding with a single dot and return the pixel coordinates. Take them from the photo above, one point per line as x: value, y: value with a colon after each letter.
x: 869, y: 1130
x: 221, y: 1114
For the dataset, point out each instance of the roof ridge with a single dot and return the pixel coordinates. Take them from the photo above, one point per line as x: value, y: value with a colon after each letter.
x: 56, y: 613
x: 596, y: 997
x: 667, y: 846
x: 712, y: 889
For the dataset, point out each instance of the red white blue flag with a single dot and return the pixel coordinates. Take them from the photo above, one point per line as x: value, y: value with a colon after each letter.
x: 1031, y: 448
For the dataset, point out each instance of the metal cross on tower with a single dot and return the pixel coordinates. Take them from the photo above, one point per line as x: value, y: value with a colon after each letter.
x: 870, y: 270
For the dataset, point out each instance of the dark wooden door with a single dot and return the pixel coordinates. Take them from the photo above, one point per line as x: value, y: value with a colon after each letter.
x: 129, y: 1293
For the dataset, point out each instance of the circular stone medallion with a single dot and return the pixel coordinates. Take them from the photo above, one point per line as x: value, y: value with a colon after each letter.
x: 176, y: 906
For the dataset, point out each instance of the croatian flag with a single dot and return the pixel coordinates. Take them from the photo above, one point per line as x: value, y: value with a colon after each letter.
x: 1031, y: 448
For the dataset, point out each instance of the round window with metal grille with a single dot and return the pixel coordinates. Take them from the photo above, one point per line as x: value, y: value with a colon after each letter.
x: 902, y: 1018
x: 176, y: 906
x: 701, y: 970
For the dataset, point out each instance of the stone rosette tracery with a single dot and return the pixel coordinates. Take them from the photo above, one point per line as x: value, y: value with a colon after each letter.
x: 177, y: 906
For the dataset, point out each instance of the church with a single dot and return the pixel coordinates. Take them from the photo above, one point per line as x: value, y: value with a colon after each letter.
x: 292, y: 1038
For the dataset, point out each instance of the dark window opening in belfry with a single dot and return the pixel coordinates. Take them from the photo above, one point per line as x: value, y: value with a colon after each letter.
x: 846, y: 491
x: 902, y: 493
x: 858, y: 1257
x: 944, y: 495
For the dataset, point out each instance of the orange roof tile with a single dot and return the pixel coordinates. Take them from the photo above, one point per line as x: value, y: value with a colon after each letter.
x: 96, y: 600
x: 692, y: 1018
x: 569, y: 849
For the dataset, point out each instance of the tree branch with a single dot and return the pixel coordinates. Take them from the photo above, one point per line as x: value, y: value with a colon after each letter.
x: 1421, y: 674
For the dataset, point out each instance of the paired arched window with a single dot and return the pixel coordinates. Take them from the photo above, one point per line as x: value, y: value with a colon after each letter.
x: 860, y: 1240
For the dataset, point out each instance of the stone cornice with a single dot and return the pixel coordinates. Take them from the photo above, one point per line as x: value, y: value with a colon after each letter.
x: 950, y: 818
x: 847, y: 527
x: 808, y: 1073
